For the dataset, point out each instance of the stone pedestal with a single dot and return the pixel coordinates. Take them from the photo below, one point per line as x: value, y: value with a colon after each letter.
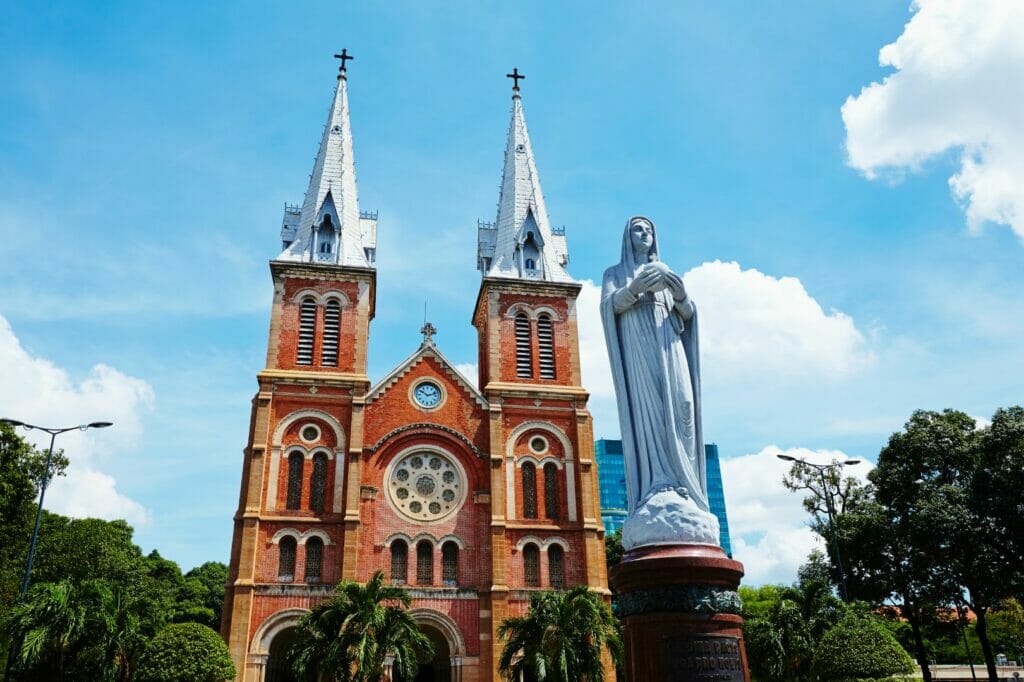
x: 681, y: 614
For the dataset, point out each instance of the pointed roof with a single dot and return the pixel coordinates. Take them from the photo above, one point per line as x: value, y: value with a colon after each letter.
x: 521, y: 212
x: 427, y: 349
x: 332, y: 188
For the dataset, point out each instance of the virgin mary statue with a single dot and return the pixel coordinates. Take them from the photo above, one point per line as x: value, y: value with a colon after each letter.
x: 650, y: 325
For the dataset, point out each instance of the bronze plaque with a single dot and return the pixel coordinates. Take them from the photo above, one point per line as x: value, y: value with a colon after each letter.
x: 703, y: 658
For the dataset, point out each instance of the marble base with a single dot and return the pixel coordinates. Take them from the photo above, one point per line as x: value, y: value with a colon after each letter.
x: 681, y: 614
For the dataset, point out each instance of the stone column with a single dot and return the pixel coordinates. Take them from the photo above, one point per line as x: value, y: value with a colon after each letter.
x: 681, y: 614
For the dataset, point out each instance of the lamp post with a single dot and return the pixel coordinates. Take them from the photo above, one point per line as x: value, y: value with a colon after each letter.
x: 54, y: 432
x: 827, y: 492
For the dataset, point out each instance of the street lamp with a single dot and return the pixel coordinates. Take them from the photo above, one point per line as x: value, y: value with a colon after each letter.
x: 827, y: 492
x: 54, y: 432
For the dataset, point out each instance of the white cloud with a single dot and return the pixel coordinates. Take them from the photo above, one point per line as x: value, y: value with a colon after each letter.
x: 470, y: 371
x: 955, y: 88
x: 768, y: 523
x: 753, y: 327
x: 34, y: 390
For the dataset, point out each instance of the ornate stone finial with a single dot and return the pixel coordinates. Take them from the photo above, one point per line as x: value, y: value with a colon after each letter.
x: 344, y: 57
x: 516, y: 77
x: 428, y: 330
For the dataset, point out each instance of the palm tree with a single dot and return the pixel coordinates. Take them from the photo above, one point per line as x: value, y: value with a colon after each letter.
x: 561, y: 638
x: 348, y: 637
x: 115, y: 631
x: 48, y: 625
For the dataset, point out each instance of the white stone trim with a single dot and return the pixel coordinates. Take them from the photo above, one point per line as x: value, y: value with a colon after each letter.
x: 275, y: 473
x: 443, y: 624
x: 397, y: 536
x: 543, y: 450
x: 315, y: 438
x: 322, y: 299
x: 427, y: 380
x: 301, y: 538
x: 569, y: 458
x: 271, y: 627
x: 539, y: 463
x: 532, y: 312
x: 463, y: 481
x: 542, y: 544
x: 282, y: 426
x: 451, y: 538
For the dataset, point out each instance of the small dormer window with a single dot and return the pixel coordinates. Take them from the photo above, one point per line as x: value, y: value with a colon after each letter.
x: 529, y: 264
x: 325, y: 247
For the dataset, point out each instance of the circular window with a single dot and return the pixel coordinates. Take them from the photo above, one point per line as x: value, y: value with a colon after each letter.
x: 425, y: 486
x: 539, y: 444
x: 309, y: 433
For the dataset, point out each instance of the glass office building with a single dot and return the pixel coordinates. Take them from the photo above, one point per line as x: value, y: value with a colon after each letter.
x: 611, y: 473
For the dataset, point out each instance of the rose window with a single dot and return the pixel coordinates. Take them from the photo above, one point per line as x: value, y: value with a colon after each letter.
x: 426, y: 486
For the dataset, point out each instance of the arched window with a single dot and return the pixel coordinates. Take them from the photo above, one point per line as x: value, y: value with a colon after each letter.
x: 318, y: 482
x: 399, y: 562
x: 556, y: 567
x: 531, y: 565
x: 546, y: 346
x: 529, y: 264
x: 286, y: 559
x: 325, y: 246
x: 295, y: 462
x: 529, y: 491
x: 551, y: 490
x: 450, y: 563
x: 424, y: 563
x: 307, y: 331
x: 314, y: 559
x: 524, y: 357
x: 332, y: 328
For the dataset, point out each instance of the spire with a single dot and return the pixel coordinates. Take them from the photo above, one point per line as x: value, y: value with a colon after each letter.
x: 521, y: 243
x: 329, y: 228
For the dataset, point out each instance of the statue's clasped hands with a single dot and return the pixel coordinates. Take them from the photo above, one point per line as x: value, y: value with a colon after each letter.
x: 656, y: 276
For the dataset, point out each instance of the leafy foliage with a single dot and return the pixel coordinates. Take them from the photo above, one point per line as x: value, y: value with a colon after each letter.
x: 186, y: 652
x: 348, y: 637
x: 858, y: 647
x: 613, y: 550
x: 561, y: 638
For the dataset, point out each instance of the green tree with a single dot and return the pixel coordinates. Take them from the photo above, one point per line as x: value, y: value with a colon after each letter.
x: 47, y: 627
x: 21, y: 473
x: 203, y: 595
x: 561, y: 638
x: 114, y: 632
x: 348, y: 637
x: 859, y: 647
x: 613, y: 550
x: 186, y: 652
x: 1006, y: 629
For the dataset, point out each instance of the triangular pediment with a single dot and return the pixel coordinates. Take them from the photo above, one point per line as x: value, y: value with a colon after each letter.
x: 426, y: 350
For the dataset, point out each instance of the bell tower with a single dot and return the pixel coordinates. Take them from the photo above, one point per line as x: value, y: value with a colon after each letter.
x: 296, y: 502
x: 529, y: 365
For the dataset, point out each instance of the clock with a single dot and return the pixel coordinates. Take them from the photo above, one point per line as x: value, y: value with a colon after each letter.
x: 427, y: 394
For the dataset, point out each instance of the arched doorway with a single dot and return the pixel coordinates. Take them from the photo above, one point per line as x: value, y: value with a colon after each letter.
x: 436, y: 668
x: 277, y: 661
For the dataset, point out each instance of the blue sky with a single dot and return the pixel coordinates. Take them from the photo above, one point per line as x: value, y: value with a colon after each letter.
x: 147, y: 149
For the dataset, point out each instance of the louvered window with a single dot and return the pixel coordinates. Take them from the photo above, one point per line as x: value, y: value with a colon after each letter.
x: 424, y: 563
x: 524, y: 359
x: 531, y: 565
x: 318, y: 482
x: 295, y: 461
x: 314, y: 559
x: 286, y: 559
x: 450, y: 564
x: 546, y: 346
x: 551, y: 490
x: 556, y: 567
x: 307, y: 331
x: 529, y: 491
x: 399, y: 562
x: 332, y: 327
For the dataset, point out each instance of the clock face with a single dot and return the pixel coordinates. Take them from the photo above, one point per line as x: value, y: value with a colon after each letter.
x: 428, y: 394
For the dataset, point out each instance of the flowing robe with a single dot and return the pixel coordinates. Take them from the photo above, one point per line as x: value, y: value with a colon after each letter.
x: 653, y: 348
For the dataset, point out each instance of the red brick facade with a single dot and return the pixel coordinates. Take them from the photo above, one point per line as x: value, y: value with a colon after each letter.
x: 328, y: 490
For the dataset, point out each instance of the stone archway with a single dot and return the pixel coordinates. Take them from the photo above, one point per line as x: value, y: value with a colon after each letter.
x: 449, y: 648
x: 269, y: 646
x: 277, y: 669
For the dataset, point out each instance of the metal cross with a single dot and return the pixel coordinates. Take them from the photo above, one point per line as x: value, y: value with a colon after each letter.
x: 344, y: 57
x: 515, y: 76
x: 428, y: 332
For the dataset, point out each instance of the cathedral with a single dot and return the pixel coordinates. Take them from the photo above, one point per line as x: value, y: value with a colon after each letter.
x: 470, y: 494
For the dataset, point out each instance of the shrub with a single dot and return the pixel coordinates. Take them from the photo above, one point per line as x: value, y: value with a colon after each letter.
x: 859, y: 648
x: 186, y: 652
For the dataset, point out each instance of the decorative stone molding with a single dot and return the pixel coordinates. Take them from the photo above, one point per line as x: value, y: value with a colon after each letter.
x: 695, y: 598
